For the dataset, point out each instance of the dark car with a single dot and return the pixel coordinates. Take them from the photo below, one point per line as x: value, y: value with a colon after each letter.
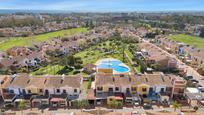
x: 188, y: 77
x: 147, y: 106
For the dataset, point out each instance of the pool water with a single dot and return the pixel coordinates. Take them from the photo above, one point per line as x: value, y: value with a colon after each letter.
x: 116, y: 65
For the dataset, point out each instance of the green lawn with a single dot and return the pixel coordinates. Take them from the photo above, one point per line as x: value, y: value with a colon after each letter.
x: 51, y: 70
x: 28, y: 41
x: 190, y: 40
x: 90, y: 56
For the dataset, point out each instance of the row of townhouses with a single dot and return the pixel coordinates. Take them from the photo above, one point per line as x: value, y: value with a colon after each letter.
x: 134, y: 88
x: 32, y: 57
x: 48, y: 90
x: 155, y: 57
x: 189, y: 54
x: 63, y: 91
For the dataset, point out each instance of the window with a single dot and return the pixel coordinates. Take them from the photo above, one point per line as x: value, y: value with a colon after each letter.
x: 162, y: 90
x: 99, y: 93
x: 100, y: 88
x: 29, y: 91
x: 58, y: 90
x: 46, y: 92
x: 41, y: 90
x: 127, y: 89
x: 133, y: 88
x: 117, y: 89
x: 110, y: 99
x: 11, y: 91
x: 64, y: 91
x: 144, y: 89
x: 75, y: 90
x: 110, y: 89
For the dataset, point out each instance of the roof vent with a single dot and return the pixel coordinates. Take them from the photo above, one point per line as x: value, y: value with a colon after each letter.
x: 146, y: 79
x: 130, y: 79
x: 28, y: 81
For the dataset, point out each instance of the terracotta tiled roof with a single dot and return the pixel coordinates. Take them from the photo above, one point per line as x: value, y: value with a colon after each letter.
x: 149, y: 79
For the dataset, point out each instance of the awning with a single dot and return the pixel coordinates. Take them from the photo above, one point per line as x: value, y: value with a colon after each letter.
x: 56, y: 99
x: 118, y: 98
x: 19, y: 100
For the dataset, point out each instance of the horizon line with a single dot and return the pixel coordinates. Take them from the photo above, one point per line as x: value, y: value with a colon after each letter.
x: 90, y: 11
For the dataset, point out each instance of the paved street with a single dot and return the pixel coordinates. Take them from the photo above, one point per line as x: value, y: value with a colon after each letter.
x: 69, y: 111
x: 190, y: 71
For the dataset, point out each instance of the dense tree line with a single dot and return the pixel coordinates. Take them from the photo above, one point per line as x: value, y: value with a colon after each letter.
x: 190, y: 19
x: 13, y: 22
x: 202, y: 32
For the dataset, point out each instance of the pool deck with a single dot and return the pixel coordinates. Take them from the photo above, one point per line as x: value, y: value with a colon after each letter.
x: 114, y: 71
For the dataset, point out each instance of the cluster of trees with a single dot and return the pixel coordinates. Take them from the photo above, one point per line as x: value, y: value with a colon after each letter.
x: 177, y: 18
x: 70, y: 62
x: 90, y: 24
x: 114, y: 104
x: 81, y: 104
x: 13, y: 22
x: 202, y: 32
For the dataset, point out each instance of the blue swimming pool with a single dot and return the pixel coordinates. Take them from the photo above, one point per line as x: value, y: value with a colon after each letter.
x: 116, y: 65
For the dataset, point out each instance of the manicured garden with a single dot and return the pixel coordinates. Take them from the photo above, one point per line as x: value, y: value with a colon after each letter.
x: 108, y: 49
x: 190, y: 40
x: 29, y: 41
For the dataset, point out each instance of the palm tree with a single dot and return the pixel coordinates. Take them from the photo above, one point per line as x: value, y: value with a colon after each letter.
x: 123, y: 51
x: 22, y: 106
x: 195, y: 108
x: 176, y: 105
x: 82, y: 104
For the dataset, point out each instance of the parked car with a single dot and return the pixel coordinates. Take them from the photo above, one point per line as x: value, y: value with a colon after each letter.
x: 201, y: 90
x: 188, y: 77
x: 194, y: 81
x: 202, y: 101
x: 135, y: 113
x: 199, y: 86
x: 147, y: 106
x: 136, y: 100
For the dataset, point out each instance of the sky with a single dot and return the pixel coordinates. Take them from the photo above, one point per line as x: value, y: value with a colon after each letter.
x: 104, y: 5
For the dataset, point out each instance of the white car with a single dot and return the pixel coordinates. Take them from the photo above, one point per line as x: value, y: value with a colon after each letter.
x: 134, y: 113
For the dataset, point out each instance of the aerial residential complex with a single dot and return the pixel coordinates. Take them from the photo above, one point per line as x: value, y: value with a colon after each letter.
x: 101, y: 60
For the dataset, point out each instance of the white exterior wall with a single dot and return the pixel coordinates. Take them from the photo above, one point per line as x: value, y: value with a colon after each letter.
x: 51, y: 91
x: 158, y: 88
x: 123, y: 89
x: 69, y: 90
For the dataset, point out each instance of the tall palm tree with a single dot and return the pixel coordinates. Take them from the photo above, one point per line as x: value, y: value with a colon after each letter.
x: 176, y: 105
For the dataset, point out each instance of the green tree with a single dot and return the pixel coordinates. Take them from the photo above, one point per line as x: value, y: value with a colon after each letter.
x: 195, y: 108
x: 176, y: 105
x: 22, y: 106
x: 81, y: 104
x: 202, y: 32
x: 114, y: 104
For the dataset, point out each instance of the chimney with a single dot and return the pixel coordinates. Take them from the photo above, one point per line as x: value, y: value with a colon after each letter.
x: 62, y: 78
x: 162, y: 76
x: 146, y: 79
x: 130, y: 79
x: 45, y: 80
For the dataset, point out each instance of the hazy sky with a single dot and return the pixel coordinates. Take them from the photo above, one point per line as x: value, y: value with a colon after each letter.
x: 104, y: 5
